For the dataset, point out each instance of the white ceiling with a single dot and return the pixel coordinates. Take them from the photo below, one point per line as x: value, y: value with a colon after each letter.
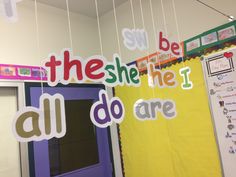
x: 85, y: 7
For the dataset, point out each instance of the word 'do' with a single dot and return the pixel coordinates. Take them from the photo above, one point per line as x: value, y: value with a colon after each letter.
x: 106, y: 111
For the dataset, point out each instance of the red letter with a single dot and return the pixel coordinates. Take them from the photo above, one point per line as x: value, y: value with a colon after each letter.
x: 53, y: 63
x: 175, y: 48
x: 161, y: 40
x: 69, y: 64
x: 92, y: 66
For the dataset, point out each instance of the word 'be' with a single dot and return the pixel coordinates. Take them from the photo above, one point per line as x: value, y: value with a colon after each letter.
x: 46, y: 122
x: 166, y: 46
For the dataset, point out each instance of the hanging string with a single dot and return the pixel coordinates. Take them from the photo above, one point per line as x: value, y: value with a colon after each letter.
x: 155, y: 36
x: 144, y: 27
x: 38, y: 45
x: 164, y: 17
x: 117, y: 31
x: 99, y: 28
x: 132, y: 12
x: 142, y: 16
x: 69, y: 25
x: 177, y: 27
x: 155, y: 31
x: 167, y: 124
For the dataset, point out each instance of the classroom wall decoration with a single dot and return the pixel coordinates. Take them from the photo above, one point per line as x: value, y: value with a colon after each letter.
x: 211, y: 38
x: 160, y: 103
x: 21, y: 72
x: 135, y: 39
x: 221, y: 82
x: 64, y: 68
x: 43, y: 123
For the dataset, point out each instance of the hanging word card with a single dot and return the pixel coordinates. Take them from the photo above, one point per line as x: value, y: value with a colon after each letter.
x: 221, y: 81
x: 48, y: 121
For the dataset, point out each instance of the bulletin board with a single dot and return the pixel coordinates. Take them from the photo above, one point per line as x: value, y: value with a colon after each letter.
x: 180, y: 147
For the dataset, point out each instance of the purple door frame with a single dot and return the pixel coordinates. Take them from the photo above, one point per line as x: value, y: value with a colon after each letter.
x: 40, y: 149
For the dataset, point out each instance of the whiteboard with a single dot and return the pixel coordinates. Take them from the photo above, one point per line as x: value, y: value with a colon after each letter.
x: 220, y: 76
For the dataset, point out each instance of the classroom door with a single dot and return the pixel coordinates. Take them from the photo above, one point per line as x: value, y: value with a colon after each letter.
x: 84, y: 150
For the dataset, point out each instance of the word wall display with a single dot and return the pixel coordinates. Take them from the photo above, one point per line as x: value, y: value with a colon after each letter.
x: 65, y: 67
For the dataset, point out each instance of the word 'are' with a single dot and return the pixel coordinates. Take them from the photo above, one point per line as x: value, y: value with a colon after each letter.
x: 148, y: 109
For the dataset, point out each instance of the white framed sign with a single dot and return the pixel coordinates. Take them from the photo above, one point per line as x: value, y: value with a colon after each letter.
x: 220, y: 77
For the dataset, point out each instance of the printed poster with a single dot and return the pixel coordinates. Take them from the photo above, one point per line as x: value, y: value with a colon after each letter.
x: 220, y: 74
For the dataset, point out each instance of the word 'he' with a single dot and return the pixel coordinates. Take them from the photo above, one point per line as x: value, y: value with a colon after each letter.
x: 135, y: 39
x: 62, y: 69
x: 104, y: 112
x: 160, y: 78
x: 45, y: 122
x: 148, y: 109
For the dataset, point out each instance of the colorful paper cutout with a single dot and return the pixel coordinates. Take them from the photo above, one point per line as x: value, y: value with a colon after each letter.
x: 43, y: 123
x: 106, y: 111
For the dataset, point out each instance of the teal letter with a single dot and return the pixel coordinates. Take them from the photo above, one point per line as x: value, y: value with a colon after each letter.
x: 122, y: 69
x: 112, y: 79
x: 134, y: 75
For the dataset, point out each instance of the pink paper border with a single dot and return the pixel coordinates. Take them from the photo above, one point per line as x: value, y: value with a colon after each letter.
x: 17, y: 76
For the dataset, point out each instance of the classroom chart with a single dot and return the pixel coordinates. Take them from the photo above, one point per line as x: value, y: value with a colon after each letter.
x: 220, y: 77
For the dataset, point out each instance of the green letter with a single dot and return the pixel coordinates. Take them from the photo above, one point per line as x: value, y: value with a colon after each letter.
x: 112, y: 79
x: 184, y: 72
x: 134, y: 75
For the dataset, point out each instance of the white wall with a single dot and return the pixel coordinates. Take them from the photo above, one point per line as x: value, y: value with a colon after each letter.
x: 18, y: 44
x: 193, y: 19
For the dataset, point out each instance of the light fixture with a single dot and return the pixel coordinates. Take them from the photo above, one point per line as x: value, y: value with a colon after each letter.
x: 8, y: 9
x: 231, y: 18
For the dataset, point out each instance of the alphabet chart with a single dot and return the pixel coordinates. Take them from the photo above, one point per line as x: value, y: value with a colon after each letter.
x: 220, y: 76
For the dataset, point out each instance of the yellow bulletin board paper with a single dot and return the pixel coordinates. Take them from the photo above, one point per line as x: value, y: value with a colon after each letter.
x: 181, y: 147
